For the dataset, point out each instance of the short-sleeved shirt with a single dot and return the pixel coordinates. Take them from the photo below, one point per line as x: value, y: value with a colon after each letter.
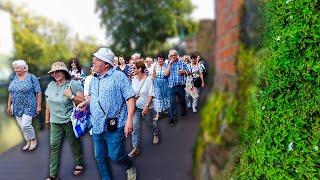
x: 86, y: 85
x: 23, y: 95
x: 174, y: 78
x: 111, y: 91
x: 61, y: 106
x: 196, y: 70
x: 143, y: 89
x: 126, y: 70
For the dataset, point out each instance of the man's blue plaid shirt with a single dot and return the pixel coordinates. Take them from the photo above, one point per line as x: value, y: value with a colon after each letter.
x: 174, y: 78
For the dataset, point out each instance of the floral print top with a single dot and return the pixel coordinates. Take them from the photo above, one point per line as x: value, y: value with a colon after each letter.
x: 23, y: 95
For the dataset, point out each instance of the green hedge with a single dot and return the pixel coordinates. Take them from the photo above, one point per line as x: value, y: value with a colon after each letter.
x: 283, y: 115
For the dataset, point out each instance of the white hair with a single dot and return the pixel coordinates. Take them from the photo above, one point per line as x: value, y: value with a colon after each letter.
x: 20, y: 63
x: 136, y: 55
x: 172, y: 52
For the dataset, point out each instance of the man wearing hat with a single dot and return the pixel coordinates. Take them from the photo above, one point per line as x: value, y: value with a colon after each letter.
x: 112, y: 104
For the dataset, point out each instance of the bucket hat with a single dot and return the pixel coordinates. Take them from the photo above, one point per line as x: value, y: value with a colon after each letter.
x: 106, y: 55
x: 58, y: 66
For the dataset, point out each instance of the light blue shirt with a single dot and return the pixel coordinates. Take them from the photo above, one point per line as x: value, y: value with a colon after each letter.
x: 112, y: 91
x: 61, y: 106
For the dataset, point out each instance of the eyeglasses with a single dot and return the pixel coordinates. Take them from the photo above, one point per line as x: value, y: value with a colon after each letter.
x: 173, y: 55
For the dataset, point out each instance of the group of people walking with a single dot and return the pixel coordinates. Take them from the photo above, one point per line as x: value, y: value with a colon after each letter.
x: 118, y: 96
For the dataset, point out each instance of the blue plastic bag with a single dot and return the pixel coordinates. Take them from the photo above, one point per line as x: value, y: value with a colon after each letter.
x: 81, y: 122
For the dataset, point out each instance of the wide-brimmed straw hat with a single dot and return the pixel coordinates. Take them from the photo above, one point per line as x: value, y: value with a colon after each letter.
x: 58, y: 66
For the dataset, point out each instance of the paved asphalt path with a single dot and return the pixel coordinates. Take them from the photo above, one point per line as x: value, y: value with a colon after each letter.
x: 171, y: 159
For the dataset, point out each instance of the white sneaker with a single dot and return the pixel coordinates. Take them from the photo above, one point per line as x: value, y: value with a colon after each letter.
x: 132, y: 173
x: 194, y: 110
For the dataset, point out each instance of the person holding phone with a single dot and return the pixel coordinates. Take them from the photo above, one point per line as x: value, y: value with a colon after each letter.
x: 176, y: 72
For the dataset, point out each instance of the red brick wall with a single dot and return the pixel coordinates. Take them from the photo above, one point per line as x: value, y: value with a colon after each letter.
x: 228, y: 24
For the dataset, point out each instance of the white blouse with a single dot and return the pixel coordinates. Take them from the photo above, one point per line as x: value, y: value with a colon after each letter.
x: 146, y: 90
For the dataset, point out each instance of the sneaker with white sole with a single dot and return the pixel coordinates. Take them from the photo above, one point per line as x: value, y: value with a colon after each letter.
x: 132, y: 173
x: 194, y: 110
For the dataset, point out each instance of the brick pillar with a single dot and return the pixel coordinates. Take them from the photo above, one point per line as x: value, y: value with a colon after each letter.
x: 228, y: 27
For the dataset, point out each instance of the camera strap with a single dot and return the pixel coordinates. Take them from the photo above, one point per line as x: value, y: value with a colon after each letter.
x: 118, y: 113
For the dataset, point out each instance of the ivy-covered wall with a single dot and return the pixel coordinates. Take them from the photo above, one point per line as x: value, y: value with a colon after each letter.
x: 283, y: 139
x: 269, y: 128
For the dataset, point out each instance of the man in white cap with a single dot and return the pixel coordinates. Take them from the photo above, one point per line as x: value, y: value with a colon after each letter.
x: 112, y: 104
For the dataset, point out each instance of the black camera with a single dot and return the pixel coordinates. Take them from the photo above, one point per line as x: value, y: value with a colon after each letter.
x: 111, y: 124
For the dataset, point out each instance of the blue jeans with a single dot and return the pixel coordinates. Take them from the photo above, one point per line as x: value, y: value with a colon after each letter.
x: 152, y: 124
x: 181, y: 93
x: 108, y: 145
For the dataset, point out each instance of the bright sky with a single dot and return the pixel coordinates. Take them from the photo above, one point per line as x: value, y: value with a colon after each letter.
x: 80, y: 17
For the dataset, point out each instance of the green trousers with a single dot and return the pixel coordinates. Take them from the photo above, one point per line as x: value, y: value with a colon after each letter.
x: 57, y: 135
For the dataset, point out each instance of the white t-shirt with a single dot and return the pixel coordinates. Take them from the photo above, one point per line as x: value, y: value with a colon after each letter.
x: 145, y: 91
x: 87, y: 85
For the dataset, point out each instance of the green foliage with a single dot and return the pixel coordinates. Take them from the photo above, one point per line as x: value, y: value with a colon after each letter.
x: 217, y: 118
x: 41, y: 42
x: 282, y: 120
x: 144, y: 26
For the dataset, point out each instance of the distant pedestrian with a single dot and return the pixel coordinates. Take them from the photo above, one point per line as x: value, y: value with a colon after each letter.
x: 197, y: 82
x: 125, y: 68
x: 24, y: 101
x: 111, y: 100
x: 149, y: 65
x: 161, y: 88
x: 87, y: 82
x: 75, y: 70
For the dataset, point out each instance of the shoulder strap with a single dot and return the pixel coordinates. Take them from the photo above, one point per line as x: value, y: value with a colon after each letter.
x: 141, y: 86
x: 69, y: 87
x: 118, y: 113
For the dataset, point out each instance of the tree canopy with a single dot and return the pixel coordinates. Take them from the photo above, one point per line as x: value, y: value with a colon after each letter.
x: 41, y: 41
x: 144, y: 26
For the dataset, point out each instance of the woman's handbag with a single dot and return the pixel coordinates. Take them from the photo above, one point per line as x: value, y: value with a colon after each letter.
x: 197, y: 82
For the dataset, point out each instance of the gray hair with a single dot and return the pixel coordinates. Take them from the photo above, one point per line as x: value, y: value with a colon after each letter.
x: 136, y: 55
x: 172, y: 52
x: 20, y: 63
